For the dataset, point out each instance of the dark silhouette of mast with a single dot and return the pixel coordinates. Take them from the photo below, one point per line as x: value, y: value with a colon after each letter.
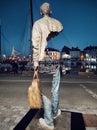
x: 31, y: 12
x: 31, y: 24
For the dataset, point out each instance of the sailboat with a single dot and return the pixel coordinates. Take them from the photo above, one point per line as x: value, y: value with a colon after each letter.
x: 15, y: 53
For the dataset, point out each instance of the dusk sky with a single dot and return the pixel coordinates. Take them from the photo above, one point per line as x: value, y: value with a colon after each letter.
x: 79, y: 19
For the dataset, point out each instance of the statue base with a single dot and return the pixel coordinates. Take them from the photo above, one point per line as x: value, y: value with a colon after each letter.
x: 66, y: 121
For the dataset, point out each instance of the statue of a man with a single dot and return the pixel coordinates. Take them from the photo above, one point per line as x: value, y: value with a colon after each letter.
x: 43, y: 30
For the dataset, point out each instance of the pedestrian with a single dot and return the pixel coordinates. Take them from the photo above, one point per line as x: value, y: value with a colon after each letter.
x: 15, y: 67
x: 61, y: 73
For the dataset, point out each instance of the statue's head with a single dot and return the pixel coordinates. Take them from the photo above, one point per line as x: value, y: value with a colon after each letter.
x: 45, y: 9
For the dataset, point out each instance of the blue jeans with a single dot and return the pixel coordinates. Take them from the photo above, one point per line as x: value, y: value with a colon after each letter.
x: 51, y: 107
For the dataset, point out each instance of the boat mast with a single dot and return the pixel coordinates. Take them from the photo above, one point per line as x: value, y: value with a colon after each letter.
x: 31, y: 24
x: 31, y: 13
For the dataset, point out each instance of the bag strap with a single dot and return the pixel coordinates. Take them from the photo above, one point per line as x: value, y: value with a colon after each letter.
x: 36, y: 75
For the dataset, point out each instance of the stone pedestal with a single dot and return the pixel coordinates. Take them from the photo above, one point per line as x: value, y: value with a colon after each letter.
x: 61, y: 123
x: 66, y: 121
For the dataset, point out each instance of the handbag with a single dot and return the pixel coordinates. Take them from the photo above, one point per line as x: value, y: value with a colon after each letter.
x: 35, y: 93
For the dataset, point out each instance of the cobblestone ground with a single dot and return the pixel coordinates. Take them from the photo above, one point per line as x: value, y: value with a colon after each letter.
x: 14, y: 103
x: 10, y: 116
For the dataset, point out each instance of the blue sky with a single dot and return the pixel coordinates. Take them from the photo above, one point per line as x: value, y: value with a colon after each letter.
x: 79, y: 19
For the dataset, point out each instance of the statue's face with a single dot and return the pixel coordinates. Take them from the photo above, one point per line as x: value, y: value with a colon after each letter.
x: 45, y: 9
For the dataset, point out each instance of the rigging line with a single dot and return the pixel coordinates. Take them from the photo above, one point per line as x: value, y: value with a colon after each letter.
x: 23, y: 33
x: 5, y: 38
x: 67, y: 39
x: 5, y: 47
x: 30, y: 13
x: 25, y: 25
x: 37, y: 7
